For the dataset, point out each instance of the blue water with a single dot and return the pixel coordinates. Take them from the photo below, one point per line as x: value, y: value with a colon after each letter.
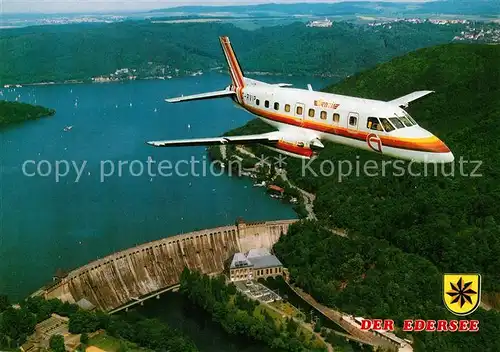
x: 46, y: 225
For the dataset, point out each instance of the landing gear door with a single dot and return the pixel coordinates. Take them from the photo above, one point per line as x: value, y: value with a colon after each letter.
x: 353, y: 121
x: 299, y: 112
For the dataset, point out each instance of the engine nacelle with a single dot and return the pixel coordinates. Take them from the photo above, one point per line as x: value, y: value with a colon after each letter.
x: 297, y: 149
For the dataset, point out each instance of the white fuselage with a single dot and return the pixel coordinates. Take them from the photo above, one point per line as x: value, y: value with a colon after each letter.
x: 361, y: 123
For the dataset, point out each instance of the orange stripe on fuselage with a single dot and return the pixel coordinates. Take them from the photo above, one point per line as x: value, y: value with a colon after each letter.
x: 429, y: 144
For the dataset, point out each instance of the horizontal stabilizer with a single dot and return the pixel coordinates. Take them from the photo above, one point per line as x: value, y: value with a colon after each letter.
x: 405, y: 100
x: 253, y: 138
x: 210, y: 95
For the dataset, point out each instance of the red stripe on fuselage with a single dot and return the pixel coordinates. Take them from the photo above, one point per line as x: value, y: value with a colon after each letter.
x: 293, y: 148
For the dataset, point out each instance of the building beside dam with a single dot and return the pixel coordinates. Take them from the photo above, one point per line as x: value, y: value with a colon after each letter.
x: 126, y: 276
x: 257, y: 263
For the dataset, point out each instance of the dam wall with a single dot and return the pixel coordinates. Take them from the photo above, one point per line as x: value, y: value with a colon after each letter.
x: 260, y: 234
x: 119, y: 278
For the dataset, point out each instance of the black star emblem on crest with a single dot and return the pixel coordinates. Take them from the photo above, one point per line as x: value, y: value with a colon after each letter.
x: 461, y: 292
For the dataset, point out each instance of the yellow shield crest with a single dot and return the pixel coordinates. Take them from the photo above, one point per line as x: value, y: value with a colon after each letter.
x: 461, y: 293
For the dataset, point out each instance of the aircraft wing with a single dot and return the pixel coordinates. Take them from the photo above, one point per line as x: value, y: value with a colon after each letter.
x: 249, y: 139
x: 405, y: 100
x: 210, y: 95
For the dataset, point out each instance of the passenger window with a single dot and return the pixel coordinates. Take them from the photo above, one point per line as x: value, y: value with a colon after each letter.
x: 387, y: 125
x: 336, y: 118
x: 299, y: 110
x: 323, y: 115
x: 353, y: 120
x: 311, y: 112
x: 373, y: 124
x: 257, y: 102
x: 287, y: 107
x: 266, y: 104
x: 395, y: 121
x: 276, y: 106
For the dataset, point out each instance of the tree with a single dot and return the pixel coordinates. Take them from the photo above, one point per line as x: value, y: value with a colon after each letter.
x: 83, y: 321
x: 17, y: 323
x: 4, y: 341
x: 56, y: 343
x: 4, y: 303
x: 84, y: 338
x: 317, y: 325
x: 123, y: 347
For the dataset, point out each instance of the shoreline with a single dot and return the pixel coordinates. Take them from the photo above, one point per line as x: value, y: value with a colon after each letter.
x: 67, y: 82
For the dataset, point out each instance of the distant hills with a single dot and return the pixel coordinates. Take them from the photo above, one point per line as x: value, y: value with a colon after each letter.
x: 69, y: 52
x: 454, y: 7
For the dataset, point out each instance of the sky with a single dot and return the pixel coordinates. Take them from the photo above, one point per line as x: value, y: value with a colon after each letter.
x: 61, y: 6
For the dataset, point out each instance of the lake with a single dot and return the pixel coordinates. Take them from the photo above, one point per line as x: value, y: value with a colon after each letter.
x: 48, y: 223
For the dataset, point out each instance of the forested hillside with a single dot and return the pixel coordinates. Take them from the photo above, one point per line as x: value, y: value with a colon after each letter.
x: 407, y: 230
x: 370, y: 278
x: 453, y: 221
x: 58, y: 53
x: 14, y: 112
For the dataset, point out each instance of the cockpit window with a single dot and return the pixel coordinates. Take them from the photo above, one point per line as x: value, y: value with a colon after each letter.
x: 410, y: 118
x: 374, y: 124
x: 387, y: 125
x: 405, y: 120
x: 395, y: 121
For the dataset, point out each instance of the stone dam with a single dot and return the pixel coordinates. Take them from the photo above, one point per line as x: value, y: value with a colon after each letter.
x: 125, y: 276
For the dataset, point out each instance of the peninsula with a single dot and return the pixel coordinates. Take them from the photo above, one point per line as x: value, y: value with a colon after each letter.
x: 15, y: 112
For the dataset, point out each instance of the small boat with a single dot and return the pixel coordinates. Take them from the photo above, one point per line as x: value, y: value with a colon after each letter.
x: 68, y: 128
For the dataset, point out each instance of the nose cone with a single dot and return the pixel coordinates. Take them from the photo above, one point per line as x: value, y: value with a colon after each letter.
x: 448, y: 158
x: 445, y: 155
x: 440, y: 158
x: 438, y: 152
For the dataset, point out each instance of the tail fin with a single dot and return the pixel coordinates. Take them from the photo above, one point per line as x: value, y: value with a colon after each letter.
x: 234, y: 66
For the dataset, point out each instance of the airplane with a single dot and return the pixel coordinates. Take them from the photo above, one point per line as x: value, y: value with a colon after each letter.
x: 306, y: 118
